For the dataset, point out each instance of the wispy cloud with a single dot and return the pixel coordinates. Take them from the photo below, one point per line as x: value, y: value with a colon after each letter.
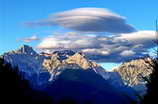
x: 87, y: 20
x: 29, y: 39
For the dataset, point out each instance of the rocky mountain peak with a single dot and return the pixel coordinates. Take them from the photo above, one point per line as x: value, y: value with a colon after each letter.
x: 25, y: 49
x: 60, y: 61
x: 65, y: 59
x: 133, y: 71
x: 80, y: 60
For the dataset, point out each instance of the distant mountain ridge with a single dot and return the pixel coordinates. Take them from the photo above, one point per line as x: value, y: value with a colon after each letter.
x: 44, y: 64
x: 42, y: 69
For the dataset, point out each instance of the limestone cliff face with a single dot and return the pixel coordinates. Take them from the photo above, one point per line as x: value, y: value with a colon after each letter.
x: 61, y: 60
x: 133, y: 71
x: 79, y: 60
x: 58, y: 62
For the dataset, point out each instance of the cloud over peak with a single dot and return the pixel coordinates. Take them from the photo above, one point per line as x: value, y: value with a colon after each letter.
x: 101, y: 48
x: 87, y: 20
x: 91, y: 26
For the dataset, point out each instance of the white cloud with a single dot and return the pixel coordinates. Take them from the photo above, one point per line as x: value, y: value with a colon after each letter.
x: 96, y: 51
x: 29, y: 39
x: 140, y: 38
x: 68, y: 41
x: 49, y: 43
x: 88, y: 20
x: 127, y: 53
x: 102, y: 48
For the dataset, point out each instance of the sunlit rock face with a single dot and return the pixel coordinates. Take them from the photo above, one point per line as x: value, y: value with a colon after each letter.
x: 58, y: 62
x: 132, y: 73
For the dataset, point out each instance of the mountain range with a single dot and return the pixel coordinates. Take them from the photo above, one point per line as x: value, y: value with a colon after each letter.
x: 62, y: 72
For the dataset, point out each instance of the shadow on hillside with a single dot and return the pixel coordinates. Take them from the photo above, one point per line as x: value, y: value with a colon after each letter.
x: 16, y: 90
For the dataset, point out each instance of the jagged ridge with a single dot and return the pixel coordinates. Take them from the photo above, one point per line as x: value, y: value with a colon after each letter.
x: 43, y: 68
x: 132, y: 73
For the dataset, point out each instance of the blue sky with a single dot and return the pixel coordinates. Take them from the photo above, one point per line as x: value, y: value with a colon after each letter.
x: 13, y: 13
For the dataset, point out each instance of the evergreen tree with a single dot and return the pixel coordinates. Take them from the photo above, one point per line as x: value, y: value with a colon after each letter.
x: 152, y: 85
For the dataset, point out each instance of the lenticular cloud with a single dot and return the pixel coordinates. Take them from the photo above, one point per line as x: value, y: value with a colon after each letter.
x: 88, y: 20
